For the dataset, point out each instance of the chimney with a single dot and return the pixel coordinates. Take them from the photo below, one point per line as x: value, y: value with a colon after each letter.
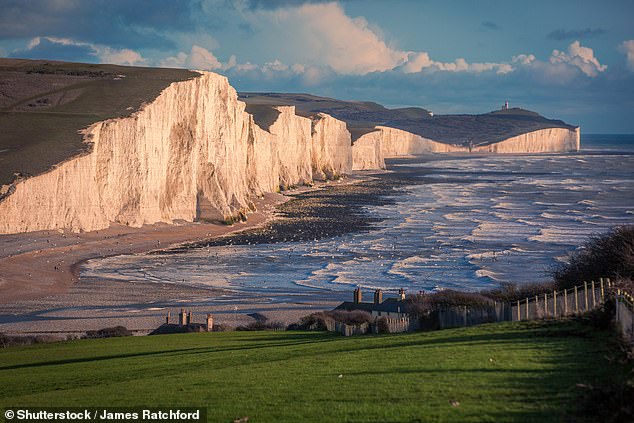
x: 181, y: 318
x: 378, y: 296
x: 401, y: 294
x: 210, y: 323
x: 357, y: 295
x: 189, y: 318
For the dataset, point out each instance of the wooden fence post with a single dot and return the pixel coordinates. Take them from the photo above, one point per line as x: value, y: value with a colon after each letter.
x: 585, y: 289
x: 602, y: 290
x: 527, y: 318
x: 565, y: 302
x: 594, y: 297
x: 545, y: 305
x: 576, y: 300
x: 555, y: 303
x: 536, y: 305
x: 609, y: 282
x: 519, y: 311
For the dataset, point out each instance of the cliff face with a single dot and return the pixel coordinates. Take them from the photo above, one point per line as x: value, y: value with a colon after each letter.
x: 370, y: 150
x: 184, y: 152
x: 332, y: 148
x: 550, y: 140
x: 195, y: 153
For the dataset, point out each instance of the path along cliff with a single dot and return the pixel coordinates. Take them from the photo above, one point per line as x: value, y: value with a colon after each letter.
x: 194, y: 153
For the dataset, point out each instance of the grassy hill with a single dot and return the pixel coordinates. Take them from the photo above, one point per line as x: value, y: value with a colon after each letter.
x: 44, y: 104
x: 511, y: 372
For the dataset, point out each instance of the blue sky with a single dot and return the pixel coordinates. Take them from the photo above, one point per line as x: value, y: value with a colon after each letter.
x: 572, y: 60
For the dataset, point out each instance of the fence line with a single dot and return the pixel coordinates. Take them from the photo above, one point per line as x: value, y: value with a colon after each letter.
x: 578, y: 299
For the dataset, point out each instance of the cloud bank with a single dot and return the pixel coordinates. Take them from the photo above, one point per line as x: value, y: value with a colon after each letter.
x: 72, y: 50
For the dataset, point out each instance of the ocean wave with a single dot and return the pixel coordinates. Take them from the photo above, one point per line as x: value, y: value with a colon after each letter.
x: 485, y: 273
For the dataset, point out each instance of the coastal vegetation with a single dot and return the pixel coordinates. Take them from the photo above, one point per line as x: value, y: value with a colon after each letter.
x: 513, y: 372
x: 609, y: 255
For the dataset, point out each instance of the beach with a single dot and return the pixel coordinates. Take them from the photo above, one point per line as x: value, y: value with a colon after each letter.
x: 41, y: 290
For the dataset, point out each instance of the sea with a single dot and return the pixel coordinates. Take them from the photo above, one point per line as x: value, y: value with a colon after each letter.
x: 473, y: 223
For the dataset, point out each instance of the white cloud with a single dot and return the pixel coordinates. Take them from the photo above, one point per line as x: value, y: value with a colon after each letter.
x: 233, y: 61
x: 201, y: 58
x: 103, y: 53
x: 627, y: 47
x: 419, y: 61
x: 122, y: 57
x: 245, y: 67
x: 322, y: 34
x: 524, y: 59
x: 177, y: 61
x: 274, y: 66
x: 198, y: 58
x: 580, y: 57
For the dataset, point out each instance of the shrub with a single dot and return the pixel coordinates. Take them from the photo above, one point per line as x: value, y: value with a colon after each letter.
x: 511, y: 292
x: 610, y: 255
x: 382, y: 326
x: 220, y: 327
x: 9, y: 340
x: 450, y: 297
x: 320, y: 320
x: 262, y: 325
x: 112, y: 332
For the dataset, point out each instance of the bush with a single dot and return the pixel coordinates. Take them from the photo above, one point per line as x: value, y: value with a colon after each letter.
x: 262, y: 325
x: 113, y: 332
x: 606, y: 256
x: 10, y: 341
x: 626, y: 284
x: 382, y: 326
x: 602, y: 317
x: 319, y: 320
x: 424, y: 304
x: 450, y: 297
x: 511, y: 292
x: 220, y: 327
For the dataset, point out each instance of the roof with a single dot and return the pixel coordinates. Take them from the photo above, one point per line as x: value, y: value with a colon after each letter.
x: 390, y: 305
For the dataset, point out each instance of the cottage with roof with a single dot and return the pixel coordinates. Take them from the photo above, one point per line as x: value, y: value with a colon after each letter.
x: 393, y: 308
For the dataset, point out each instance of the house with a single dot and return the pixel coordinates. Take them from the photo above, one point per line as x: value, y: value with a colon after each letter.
x: 185, y: 324
x: 393, y: 308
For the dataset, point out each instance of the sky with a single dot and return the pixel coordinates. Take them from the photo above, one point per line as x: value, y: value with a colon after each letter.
x: 566, y: 59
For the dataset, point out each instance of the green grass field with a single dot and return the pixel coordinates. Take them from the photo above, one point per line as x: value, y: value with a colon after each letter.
x: 509, y: 372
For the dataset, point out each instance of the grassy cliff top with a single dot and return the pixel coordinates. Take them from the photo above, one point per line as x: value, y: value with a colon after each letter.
x: 363, y: 117
x: 44, y: 104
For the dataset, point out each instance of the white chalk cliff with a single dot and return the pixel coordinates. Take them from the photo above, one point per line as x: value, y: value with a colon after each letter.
x: 371, y: 149
x: 549, y: 140
x: 195, y: 153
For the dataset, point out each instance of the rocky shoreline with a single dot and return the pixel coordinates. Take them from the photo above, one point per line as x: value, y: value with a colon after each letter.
x: 332, y: 210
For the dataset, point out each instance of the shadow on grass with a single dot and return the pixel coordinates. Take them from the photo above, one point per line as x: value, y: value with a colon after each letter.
x: 298, y: 339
